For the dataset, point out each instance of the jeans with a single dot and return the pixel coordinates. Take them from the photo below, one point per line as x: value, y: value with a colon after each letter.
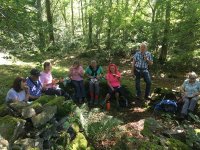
x: 147, y: 79
x: 79, y: 89
x: 189, y: 104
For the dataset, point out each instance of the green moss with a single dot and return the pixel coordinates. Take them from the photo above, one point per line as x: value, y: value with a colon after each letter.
x: 174, y: 144
x: 36, y: 106
x: 44, y: 99
x: 150, y: 126
x: 149, y: 146
x: 79, y: 143
x: 4, y: 110
x: 8, y: 125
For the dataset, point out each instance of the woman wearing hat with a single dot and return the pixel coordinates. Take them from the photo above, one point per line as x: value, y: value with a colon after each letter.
x: 190, y: 93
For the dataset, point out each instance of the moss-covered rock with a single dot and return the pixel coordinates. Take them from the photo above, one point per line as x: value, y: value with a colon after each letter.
x: 174, y: 144
x: 150, y: 127
x: 4, y: 110
x: 64, y: 107
x: 10, y: 127
x: 44, y: 99
x: 79, y: 143
x: 46, y: 115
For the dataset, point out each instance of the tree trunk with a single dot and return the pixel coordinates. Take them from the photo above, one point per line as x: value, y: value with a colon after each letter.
x: 90, y: 29
x: 40, y: 31
x: 82, y: 17
x: 50, y: 21
x: 72, y: 19
x: 125, y: 34
x: 164, y: 49
x: 108, y: 43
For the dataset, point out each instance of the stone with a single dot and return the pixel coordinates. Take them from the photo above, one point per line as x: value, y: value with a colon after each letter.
x: 28, y: 112
x: 11, y: 127
x: 42, y: 118
x: 79, y: 142
x: 17, y: 107
x: 3, y: 143
x: 29, y: 143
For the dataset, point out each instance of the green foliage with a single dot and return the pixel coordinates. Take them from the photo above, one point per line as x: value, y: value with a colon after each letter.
x: 174, y: 144
x: 192, y: 137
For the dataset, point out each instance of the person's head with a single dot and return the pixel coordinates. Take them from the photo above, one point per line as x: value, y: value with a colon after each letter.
x: 112, y: 68
x: 143, y: 47
x: 47, y: 66
x: 192, y: 76
x: 19, y: 84
x: 76, y: 64
x: 93, y: 63
x: 35, y: 74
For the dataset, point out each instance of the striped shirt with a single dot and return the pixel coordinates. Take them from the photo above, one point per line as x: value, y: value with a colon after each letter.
x: 140, y: 63
x: 35, y: 87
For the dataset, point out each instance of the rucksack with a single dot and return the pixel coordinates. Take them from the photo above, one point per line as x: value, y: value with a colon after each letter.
x: 166, y: 105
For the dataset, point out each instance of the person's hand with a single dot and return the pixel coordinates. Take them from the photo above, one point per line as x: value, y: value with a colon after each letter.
x: 26, y: 88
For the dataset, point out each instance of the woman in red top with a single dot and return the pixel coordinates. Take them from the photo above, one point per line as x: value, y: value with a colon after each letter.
x: 113, y: 78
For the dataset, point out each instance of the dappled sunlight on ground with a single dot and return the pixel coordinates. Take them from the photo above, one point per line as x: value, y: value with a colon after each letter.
x: 7, y: 59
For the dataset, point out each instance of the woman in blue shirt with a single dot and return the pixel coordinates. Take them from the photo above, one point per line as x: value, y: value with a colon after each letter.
x: 190, y: 93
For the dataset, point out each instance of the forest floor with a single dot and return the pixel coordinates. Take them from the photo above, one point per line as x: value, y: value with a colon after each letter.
x: 132, y: 116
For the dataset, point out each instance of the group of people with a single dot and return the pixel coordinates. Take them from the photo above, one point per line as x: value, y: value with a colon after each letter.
x: 32, y: 87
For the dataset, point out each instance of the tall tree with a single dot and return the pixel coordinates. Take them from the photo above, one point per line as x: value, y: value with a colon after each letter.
x: 90, y: 27
x: 165, y: 42
x: 108, y: 42
x: 50, y: 20
x: 40, y: 22
x: 72, y: 17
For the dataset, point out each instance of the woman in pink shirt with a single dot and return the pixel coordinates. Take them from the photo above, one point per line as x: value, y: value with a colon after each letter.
x: 76, y: 76
x: 113, y: 78
x: 49, y: 84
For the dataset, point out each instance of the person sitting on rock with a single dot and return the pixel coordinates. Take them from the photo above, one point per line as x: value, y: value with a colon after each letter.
x: 34, y: 84
x: 94, y: 73
x: 190, y: 93
x: 18, y: 92
x: 76, y: 75
x: 49, y: 84
x: 113, y: 78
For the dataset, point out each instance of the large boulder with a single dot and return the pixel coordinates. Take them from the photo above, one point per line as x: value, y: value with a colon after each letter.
x: 11, y: 127
x: 42, y: 118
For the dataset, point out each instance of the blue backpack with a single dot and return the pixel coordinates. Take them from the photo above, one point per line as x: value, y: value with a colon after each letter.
x: 167, y: 106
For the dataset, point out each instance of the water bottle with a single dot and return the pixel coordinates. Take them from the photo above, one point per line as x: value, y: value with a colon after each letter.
x: 108, y: 105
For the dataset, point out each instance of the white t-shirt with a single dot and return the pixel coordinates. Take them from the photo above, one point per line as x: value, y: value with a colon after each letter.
x: 13, y: 95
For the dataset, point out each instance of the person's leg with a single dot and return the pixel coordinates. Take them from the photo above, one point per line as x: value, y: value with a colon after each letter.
x: 77, y: 89
x: 117, y: 98
x: 193, y: 103
x: 82, y: 90
x: 52, y: 91
x: 147, y: 79
x: 184, y: 110
x: 91, y: 88
x: 96, y: 97
x: 137, y: 83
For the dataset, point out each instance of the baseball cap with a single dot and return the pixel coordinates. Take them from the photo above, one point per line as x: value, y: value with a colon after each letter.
x: 35, y: 72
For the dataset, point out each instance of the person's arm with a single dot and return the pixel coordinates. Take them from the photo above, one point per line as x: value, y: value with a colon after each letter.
x: 100, y: 75
x: 81, y: 72
x: 88, y: 74
x: 108, y: 82
x: 149, y: 59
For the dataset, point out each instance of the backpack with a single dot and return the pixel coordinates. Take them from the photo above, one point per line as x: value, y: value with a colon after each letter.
x: 166, y: 105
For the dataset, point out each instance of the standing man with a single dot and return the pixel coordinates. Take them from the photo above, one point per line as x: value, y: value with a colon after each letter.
x: 141, y: 62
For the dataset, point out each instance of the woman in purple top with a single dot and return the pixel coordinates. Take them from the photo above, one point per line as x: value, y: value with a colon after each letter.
x: 76, y: 76
x: 19, y: 91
